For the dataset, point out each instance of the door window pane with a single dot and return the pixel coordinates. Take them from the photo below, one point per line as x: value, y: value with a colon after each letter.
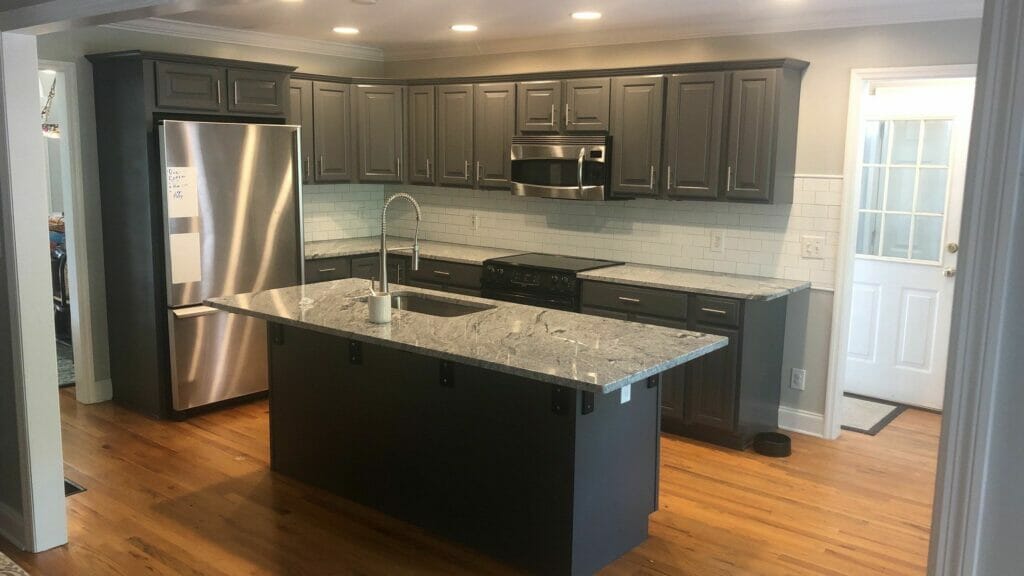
x: 931, y: 191
x: 927, y: 238
x: 869, y: 231
x: 896, y: 235
x: 901, y: 190
x: 935, y: 146
x: 905, y: 135
x: 876, y: 142
x: 871, y: 188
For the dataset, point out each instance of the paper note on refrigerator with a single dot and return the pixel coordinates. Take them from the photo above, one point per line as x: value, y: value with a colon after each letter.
x: 185, y: 258
x: 182, y: 192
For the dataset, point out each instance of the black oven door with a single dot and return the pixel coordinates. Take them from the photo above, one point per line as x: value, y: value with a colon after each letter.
x: 566, y: 303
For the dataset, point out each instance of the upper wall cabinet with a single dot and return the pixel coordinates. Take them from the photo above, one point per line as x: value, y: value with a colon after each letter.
x: 421, y: 135
x: 732, y: 135
x: 554, y: 106
x: 455, y: 135
x: 200, y: 87
x: 636, y: 134
x: 380, y: 114
x: 300, y: 113
x: 323, y: 111
x: 494, y: 122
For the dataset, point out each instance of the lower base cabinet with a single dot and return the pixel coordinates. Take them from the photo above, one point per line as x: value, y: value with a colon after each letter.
x: 439, y: 275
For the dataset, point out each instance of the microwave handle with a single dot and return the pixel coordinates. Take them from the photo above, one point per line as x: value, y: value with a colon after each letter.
x: 579, y: 168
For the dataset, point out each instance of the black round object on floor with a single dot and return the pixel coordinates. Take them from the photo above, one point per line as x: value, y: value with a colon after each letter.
x: 772, y: 444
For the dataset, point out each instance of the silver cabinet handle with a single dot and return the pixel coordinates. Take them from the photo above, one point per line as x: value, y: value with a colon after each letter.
x: 320, y: 169
x: 668, y: 179
x: 307, y: 167
x: 579, y: 168
x: 236, y: 91
x: 326, y: 270
x: 398, y: 160
x: 568, y: 119
x: 650, y: 185
x: 442, y: 273
x: 219, y: 97
x: 728, y: 179
x: 630, y: 300
x: 465, y: 170
x: 428, y: 168
x: 477, y: 170
x: 714, y: 311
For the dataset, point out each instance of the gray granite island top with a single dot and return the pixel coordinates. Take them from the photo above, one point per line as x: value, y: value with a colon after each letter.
x: 711, y: 283
x: 446, y: 251
x: 584, y: 352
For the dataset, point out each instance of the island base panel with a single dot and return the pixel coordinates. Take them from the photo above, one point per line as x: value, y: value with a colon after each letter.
x: 507, y: 465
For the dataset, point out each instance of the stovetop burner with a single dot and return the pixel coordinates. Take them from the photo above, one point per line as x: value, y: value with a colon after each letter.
x: 553, y: 262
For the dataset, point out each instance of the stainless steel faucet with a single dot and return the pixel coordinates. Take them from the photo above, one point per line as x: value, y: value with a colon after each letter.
x: 384, y: 239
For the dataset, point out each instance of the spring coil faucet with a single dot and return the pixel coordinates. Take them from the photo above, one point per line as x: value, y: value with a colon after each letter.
x: 383, y: 239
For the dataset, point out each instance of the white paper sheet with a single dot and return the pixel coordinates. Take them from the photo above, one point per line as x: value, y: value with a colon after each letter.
x: 186, y: 265
x: 182, y: 192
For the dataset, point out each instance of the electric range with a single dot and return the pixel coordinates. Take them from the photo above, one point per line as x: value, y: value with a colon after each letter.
x: 545, y: 280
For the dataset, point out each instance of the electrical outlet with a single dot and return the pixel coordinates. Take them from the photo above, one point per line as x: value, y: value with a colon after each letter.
x: 476, y: 221
x: 812, y: 247
x: 798, y: 381
x: 718, y: 241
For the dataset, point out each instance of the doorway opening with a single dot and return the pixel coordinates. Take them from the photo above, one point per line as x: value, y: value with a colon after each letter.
x: 907, y: 141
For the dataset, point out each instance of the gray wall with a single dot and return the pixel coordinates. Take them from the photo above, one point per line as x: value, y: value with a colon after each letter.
x: 72, y: 46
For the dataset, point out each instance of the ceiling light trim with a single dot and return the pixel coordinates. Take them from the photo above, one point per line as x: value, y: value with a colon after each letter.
x: 249, y: 38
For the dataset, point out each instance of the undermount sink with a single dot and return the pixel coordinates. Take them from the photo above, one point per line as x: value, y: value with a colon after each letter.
x: 433, y: 306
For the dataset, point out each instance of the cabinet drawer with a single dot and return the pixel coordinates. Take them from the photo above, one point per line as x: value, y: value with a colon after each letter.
x: 324, y: 269
x: 448, y: 273
x: 635, y: 300
x: 713, y: 310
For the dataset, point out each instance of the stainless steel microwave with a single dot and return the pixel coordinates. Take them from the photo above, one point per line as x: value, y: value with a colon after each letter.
x: 567, y: 167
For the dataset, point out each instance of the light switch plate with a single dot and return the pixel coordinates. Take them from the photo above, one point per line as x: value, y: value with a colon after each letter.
x: 812, y: 247
x: 798, y: 381
x: 626, y: 393
x: 718, y: 241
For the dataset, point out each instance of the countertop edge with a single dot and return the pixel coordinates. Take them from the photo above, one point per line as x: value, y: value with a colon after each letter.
x: 595, y: 276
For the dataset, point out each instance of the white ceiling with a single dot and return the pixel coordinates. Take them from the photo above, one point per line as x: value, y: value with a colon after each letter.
x: 407, y: 29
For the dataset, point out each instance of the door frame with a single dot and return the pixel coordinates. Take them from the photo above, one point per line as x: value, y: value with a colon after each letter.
x: 87, y: 389
x: 839, y: 341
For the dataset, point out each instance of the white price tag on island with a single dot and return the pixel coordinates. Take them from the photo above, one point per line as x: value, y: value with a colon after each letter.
x: 626, y: 391
x: 182, y: 192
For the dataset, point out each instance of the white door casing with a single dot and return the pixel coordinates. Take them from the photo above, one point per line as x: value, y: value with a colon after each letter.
x: 910, y: 191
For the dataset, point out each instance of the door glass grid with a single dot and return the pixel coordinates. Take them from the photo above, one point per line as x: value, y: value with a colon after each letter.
x: 904, y: 186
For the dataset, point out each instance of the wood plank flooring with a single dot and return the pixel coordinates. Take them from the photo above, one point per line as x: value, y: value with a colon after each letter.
x: 198, y: 497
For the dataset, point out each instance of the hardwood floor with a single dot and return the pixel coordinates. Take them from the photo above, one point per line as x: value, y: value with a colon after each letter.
x: 197, y: 497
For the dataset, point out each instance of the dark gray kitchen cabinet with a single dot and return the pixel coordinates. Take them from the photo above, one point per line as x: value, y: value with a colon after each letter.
x: 636, y: 126
x: 751, y: 121
x: 586, y: 106
x: 538, y: 108
x: 711, y: 383
x: 494, y: 123
x: 450, y: 276
x: 188, y: 86
x: 368, y: 267
x: 257, y: 91
x: 421, y: 135
x: 380, y: 113
x: 324, y: 269
x: 300, y: 113
x: 332, y: 133
x: 693, y: 134
x: 455, y: 135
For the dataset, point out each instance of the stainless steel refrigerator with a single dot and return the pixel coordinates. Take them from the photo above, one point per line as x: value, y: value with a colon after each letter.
x: 232, y: 224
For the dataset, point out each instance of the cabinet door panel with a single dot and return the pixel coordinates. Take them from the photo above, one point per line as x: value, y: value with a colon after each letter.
x: 636, y: 134
x: 712, y: 383
x: 539, y: 104
x: 257, y: 91
x: 694, y: 124
x: 421, y: 134
x: 455, y: 134
x: 332, y: 133
x: 587, y: 105
x: 324, y: 269
x: 604, y: 312
x: 673, y: 395
x: 190, y: 86
x: 300, y: 113
x: 380, y: 114
x: 751, y: 123
x: 494, y: 123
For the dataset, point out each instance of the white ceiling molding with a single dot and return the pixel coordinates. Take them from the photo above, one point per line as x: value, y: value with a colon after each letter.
x: 834, y: 20
x: 249, y: 38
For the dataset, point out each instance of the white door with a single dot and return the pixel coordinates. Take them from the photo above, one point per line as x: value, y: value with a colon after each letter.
x: 911, y: 181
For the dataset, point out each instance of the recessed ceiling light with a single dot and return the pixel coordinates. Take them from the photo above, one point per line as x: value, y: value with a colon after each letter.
x: 346, y: 30
x: 586, y: 15
x: 464, y: 27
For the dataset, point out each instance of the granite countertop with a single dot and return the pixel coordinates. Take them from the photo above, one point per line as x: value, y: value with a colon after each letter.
x: 564, y: 348
x: 711, y: 283
x: 446, y: 251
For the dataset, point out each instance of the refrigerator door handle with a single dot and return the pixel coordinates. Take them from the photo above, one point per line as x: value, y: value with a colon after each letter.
x: 193, y: 312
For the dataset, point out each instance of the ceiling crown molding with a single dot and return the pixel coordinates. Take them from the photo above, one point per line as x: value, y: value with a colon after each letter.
x: 249, y: 38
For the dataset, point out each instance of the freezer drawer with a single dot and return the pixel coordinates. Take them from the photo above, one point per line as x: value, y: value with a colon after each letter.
x: 215, y: 356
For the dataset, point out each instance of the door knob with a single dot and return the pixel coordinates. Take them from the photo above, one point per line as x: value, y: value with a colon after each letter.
x: 949, y: 272
x: 953, y: 247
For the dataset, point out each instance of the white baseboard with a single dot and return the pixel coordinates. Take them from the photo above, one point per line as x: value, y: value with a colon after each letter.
x: 11, y: 525
x: 100, y: 391
x: 802, y: 421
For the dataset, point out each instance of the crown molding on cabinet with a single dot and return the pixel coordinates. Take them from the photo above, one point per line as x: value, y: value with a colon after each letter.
x: 193, y: 31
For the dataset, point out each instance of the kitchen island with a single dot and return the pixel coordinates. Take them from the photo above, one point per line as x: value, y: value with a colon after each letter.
x: 530, y: 434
